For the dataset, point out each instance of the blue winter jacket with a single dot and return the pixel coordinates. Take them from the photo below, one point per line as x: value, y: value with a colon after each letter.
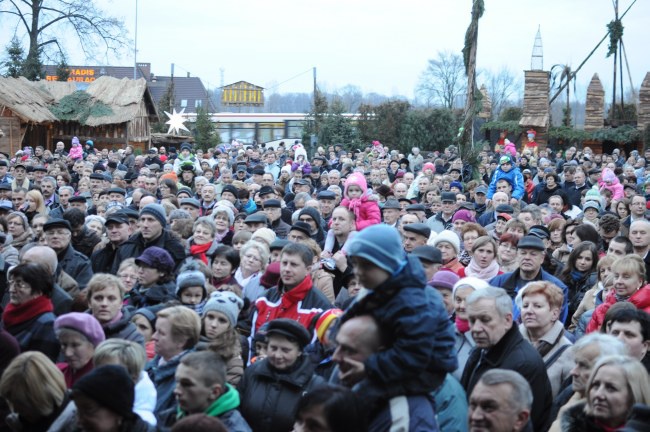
x: 512, y: 283
x: 514, y: 177
x: 163, y: 378
x: 417, y: 331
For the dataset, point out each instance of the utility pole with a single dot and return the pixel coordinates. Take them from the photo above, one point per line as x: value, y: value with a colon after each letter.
x: 135, y: 47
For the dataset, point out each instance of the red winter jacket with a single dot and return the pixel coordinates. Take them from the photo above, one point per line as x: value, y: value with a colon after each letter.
x: 640, y: 299
x: 302, y: 303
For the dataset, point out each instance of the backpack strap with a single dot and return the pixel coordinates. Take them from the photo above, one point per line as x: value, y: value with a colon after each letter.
x: 556, y: 355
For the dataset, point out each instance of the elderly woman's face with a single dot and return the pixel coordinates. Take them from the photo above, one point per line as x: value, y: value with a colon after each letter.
x: 626, y: 281
x: 202, y: 234
x: 96, y: 226
x: 536, y: 312
x: 76, y: 349
x: 282, y: 353
x: 15, y: 226
x: 20, y: 291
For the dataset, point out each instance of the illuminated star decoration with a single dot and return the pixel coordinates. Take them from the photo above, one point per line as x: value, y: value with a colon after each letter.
x: 175, y: 122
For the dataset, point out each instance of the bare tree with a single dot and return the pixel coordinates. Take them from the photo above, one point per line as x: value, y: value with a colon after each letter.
x: 502, y: 86
x: 443, y: 81
x: 351, y: 97
x: 47, y: 23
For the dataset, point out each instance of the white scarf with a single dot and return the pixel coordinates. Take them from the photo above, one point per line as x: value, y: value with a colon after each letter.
x: 473, y: 269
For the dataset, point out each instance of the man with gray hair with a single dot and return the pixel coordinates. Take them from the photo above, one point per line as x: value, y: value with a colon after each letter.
x: 499, y: 344
x: 48, y: 189
x: 500, y: 402
x: 586, y: 353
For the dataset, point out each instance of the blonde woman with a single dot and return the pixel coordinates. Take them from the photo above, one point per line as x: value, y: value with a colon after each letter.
x: 34, y: 204
x: 36, y: 390
x: 254, y: 259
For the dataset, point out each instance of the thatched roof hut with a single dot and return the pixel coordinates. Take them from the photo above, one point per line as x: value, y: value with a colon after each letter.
x: 50, y: 111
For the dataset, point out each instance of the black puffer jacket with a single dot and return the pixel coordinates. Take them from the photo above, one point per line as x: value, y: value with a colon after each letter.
x: 136, y: 244
x: 269, y: 398
x: 154, y: 295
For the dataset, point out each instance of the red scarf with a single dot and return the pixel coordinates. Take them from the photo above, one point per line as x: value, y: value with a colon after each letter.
x: 462, y: 325
x: 200, y: 250
x: 14, y: 315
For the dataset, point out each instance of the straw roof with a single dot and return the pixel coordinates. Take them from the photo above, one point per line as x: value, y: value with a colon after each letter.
x: 31, y: 100
x: 28, y: 102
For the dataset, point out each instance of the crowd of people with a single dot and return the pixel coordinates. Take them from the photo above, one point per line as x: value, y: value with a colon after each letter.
x: 251, y: 288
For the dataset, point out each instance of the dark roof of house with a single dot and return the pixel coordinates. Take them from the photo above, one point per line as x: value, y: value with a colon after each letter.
x: 187, y: 91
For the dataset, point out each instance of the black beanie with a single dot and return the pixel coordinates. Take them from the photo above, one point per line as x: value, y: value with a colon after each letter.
x: 111, y: 387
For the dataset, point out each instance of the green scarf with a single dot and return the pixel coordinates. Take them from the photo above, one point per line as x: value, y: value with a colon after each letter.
x: 226, y: 402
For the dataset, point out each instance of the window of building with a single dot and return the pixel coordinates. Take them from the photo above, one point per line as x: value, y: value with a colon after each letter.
x: 184, y: 103
x: 198, y: 103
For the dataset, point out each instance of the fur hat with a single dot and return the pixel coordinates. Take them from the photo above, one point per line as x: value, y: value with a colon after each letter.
x: 226, y: 302
x: 449, y: 237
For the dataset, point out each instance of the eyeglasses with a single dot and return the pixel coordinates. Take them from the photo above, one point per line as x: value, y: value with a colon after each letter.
x: 252, y: 258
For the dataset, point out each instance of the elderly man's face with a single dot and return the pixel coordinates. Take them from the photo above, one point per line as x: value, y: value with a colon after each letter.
x: 491, y: 409
x: 486, y: 324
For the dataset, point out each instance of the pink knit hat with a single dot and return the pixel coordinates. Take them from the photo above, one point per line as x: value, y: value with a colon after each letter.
x: 357, y: 179
x: 463, y: 214
x: 444, y: 279
x: 427, y: 166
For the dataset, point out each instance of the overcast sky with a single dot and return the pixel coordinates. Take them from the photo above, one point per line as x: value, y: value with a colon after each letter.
x: 379, y: 45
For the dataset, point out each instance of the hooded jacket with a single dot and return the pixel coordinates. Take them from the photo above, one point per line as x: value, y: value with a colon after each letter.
x: 364, y: 208
x: 514, y: 177
x: 640, y: 299
x: 615, y: 187
x: 418, y: 333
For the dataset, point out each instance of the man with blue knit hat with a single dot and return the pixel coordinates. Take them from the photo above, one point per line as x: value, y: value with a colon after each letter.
x: 419, y: 341
x: 152, y: 232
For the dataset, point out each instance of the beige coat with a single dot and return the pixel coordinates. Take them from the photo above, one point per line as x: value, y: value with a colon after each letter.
x: 324, y: 282
x: 561, y: 368
x: 588, y: 303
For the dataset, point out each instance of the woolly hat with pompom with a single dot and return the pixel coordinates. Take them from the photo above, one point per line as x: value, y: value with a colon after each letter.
x: 593, y: 194
x: 190, y: 276
x: 463, y: 214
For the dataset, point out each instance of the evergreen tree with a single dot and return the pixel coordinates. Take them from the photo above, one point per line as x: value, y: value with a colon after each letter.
x: 316, y: 117
x: 15, y: 58
x: 336, y: 128
x: 33, y: 66
x: 205, y: 131
x: 166, y: 103
x: 62, y: 69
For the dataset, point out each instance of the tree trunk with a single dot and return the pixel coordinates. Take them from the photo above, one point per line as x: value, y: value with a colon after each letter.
x: 471, y: 41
